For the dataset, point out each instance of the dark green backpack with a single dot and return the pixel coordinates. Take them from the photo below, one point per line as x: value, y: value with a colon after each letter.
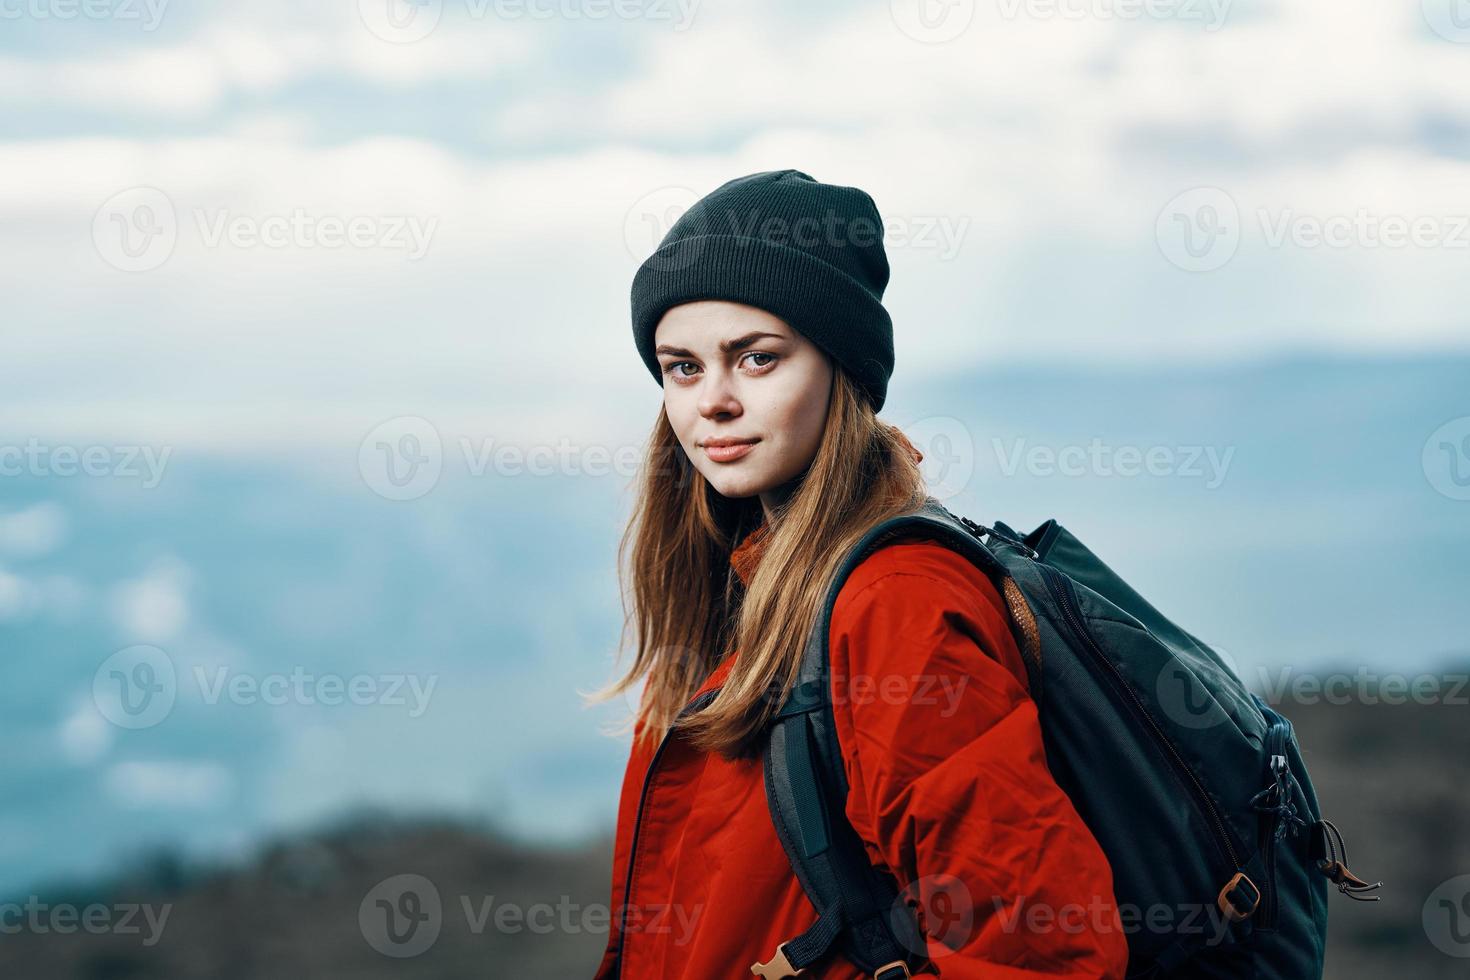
x: 1136, y: 715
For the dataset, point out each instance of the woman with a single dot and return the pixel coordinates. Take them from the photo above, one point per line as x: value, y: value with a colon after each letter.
x: 761, y: 316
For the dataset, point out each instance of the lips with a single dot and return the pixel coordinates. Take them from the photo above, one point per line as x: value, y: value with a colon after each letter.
x: 726, y: 450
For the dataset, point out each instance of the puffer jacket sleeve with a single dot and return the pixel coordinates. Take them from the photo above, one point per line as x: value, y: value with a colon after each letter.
x: 948, y: 782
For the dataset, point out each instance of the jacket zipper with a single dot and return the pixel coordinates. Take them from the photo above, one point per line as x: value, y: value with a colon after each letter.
x: 1066, y: 599
x: 699, y: 701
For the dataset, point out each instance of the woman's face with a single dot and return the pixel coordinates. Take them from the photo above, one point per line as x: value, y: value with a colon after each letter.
x: 737, y: 373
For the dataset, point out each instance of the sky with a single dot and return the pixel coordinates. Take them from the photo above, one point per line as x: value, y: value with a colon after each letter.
x: 301, y: 219
x: 262, y: 260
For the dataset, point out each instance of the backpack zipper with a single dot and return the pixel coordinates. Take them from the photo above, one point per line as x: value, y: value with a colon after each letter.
x: 1280, y: 763
x: 699, y: 701
x: 1063, y: 592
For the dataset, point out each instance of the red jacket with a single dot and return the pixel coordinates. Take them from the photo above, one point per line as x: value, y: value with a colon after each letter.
x: 943, y: 753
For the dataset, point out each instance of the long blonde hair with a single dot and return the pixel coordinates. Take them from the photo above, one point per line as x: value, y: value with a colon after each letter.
x: 688, y: 607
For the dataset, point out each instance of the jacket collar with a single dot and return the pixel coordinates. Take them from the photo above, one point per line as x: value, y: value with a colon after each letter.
x: 747, y: 554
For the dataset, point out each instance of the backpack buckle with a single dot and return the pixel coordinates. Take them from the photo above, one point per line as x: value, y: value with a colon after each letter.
x: 778, y: 966
x: 885, y: 972
x: 1226, y: 900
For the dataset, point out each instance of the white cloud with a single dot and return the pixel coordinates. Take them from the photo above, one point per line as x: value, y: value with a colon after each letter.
x: 244, y: 56
x: 1072, y: 80
x: 33, y: 531
x: 169, y: 784
x: 1052, y: 144
x: 153, y: 607
x: 84, y: 736
x: 17, y: 597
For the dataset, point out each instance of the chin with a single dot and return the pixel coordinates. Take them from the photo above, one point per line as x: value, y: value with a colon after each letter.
x: 737, y: 485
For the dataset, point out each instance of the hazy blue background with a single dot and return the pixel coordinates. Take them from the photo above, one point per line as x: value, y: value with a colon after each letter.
x: 1050, y: 288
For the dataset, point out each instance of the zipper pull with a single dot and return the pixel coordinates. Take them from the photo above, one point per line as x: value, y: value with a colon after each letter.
x: 1277, y: 798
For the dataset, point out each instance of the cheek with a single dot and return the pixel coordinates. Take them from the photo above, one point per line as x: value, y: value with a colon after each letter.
x: 809, y: 417
x: 681, y: 418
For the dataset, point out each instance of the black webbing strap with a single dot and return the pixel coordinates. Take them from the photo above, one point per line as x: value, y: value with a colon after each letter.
x: 852, y: 898
x: 806, y: 790
x: 812, y: 945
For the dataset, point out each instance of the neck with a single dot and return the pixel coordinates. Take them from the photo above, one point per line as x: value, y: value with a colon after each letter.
x: 772, y: 499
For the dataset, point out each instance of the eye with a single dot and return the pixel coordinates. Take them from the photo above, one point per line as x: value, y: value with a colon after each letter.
x: 758, y: 353
x: 669, y: 369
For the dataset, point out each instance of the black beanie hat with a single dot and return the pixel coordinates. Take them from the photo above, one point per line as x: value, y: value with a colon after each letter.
x: 808, y: 252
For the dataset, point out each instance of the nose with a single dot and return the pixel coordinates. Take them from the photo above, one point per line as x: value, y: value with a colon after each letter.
x: 717, y: 396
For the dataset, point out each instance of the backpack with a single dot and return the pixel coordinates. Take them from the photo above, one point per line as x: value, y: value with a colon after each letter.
x: 1120, y: 690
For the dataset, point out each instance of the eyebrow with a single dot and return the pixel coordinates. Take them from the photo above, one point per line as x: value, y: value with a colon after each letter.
x: 726, y: 346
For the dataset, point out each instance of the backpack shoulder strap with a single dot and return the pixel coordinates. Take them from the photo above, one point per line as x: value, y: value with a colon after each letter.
x: 806, y: 789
